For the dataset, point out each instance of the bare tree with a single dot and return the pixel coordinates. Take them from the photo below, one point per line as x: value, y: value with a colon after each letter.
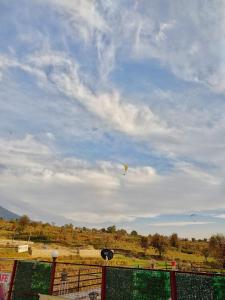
x: 160, y: 243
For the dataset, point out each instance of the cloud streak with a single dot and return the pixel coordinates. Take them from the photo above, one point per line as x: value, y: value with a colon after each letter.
x: 178, y: 224
x: 64, y: 74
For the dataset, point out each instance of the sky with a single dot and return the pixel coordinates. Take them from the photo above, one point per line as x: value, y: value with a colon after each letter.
x: 89, y: 85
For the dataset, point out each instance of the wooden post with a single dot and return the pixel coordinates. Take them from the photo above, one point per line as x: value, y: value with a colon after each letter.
x: 173, y: 285
x: 52, y: 276
x: 103, y: 287
x: 78, y: 285
x: 12, y: 280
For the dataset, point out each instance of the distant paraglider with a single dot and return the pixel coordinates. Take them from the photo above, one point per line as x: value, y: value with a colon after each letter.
x: 125, y: 169
x: 193, y: 217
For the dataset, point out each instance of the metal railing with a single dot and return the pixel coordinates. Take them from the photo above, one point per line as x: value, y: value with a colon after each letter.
x: 72, y: 278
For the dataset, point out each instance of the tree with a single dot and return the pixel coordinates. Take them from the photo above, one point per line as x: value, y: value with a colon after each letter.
x: 120, y: 234
x: 111, y: 229
x: 144, y: 243
x: 134, y: 233
x: 205, y: 253
x: 23, y: 222
x: 34, y: 224
x: 160, y: 243
x: 217, y: 246
x: 69, y: 227
x: 174, y: 241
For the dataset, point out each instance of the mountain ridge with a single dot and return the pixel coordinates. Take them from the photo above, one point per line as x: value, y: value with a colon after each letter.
x: 7, y: 214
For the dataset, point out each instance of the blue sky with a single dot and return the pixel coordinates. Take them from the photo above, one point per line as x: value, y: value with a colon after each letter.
x: 86, y: 86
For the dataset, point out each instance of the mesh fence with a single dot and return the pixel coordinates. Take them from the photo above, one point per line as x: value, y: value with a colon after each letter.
x: 151, y: 285
x: 131, y: 284
x: 134, y: 284
x: 119, y: 284
x: 31, y: 279
x: 200, y: 287
x: 219, y: 287
x: 191, y: 287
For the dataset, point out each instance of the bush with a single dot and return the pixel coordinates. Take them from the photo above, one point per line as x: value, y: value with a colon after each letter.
x: 187, y: 251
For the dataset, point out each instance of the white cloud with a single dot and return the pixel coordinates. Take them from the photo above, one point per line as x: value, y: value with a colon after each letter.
x: 94, y: 217
x: 106, y: 57
x: 169, y: 39
x: 95, y: 23
x: 82, y: 16
x: 137, y: 120
x: 76, y: 188
x: 110, y: 107
x: 221, y: 216
x: 178, y: 224
x: 11, y: 62
x: 188, y: 42
x: 198, y: 173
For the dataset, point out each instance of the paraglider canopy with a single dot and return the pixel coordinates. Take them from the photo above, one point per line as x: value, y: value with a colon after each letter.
x: 193, y: 217
x: 125, y: 168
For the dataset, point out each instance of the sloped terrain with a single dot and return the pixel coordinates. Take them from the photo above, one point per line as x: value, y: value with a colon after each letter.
x: 7, y: 215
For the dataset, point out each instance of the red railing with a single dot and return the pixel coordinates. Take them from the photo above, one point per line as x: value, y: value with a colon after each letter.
x: 12, y: 280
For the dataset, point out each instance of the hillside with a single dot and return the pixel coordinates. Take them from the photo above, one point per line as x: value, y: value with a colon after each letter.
x: 129, y: 248
x: 7, y: 215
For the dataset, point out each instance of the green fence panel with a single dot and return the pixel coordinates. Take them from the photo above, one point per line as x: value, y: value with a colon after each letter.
x: 119, y: 284
x: 151, y: 285
x: 219, y: 287
x: 131, y: 284
x: 194, y: 287
x: 31, y: 279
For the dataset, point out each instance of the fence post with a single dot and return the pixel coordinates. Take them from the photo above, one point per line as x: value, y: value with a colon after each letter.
x: 173, y: 285
x: 103, y: 287
x: 52, y: 277
x: 12, y: 280
x: 78, y: 286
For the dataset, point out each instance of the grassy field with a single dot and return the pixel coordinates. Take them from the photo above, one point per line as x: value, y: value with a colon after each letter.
x: 118, y: 260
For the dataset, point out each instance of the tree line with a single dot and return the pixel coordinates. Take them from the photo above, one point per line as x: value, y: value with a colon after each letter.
x: 111, y: 237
